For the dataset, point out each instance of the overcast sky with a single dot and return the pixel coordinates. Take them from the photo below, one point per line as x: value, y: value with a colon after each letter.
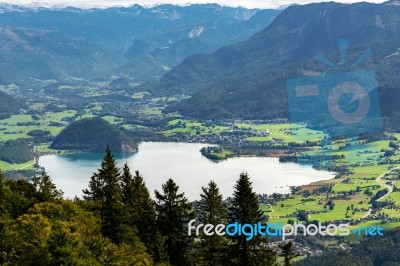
x: 105, y: 3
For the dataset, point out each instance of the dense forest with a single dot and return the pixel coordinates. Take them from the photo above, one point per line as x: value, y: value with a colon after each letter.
x: 8, y: 105
x: 383, y: 251
x: 117, y: 223
x: 90, y: 134
x: 16, y: 151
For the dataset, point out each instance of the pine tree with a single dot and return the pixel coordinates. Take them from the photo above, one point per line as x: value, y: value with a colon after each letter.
x: 212, y: 211
x: 46, y: 189
x: 173, y: 213
x: 138, y: 206
x: 94, y: 191
x: 245, y: 209
x: 2, y: 195
x: 111, y: 213
x: 288, y: 253
x: 104, y: 189
x: 127, y: 185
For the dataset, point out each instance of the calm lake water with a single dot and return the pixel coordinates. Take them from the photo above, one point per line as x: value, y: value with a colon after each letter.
x: 184, y: 163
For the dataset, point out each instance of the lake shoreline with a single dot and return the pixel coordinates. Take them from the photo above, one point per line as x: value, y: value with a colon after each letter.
x: 158, y: 161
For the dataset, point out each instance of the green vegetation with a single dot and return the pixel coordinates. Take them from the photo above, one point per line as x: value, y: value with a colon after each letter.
x: 16, y: 152
x: 379, y: 251
x: 18, y: 126
x: 8, y: 105
x: 114, y: 210
x: 245, y: 209
x: 367, y: 172
x: 191, y: 128
x: 283, y: 132
x: 117, y: 223
x: 212, y: 211
x: 90, y: 134
x: 38, y: 227
x: 12, y: 166
x: 216, y: 153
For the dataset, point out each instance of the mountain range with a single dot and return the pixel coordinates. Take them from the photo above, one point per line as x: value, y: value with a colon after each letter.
x: 248, y: 79
x: 136, y: 42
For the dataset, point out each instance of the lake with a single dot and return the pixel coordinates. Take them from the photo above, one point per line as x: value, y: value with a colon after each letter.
x: 158, y: 161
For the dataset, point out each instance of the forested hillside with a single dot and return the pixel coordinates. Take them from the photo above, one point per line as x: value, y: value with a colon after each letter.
x: 16, y: 152
x: 8, y: 105
x: 383, y: 251
x: 248, y: 79
x: 135, y: 42
x: 90, y: 134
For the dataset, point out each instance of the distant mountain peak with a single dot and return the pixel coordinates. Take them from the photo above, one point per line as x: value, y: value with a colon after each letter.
x: 283, y: 7
x: 393, y: 2
x: 247, y: 80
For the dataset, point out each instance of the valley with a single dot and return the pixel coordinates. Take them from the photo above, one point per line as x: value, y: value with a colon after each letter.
x: 206, y: 91
x: 365, y: 166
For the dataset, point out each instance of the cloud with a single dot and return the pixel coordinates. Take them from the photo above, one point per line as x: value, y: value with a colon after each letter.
x: 108, y: 3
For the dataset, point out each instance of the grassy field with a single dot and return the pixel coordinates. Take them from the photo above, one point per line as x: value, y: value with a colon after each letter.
x: 364, y: 171
x: 24, y: 166
x: 284, y: 132
x: 288, y: 208
x: 192, y: 128
x: 362, y: 158
x: 17, y: 126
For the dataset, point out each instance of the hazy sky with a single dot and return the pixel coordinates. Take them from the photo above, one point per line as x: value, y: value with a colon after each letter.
x: 105, y: 3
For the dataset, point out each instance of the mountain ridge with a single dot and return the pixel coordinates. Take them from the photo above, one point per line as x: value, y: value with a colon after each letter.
x: 112, y: 32
x: 247, y: 80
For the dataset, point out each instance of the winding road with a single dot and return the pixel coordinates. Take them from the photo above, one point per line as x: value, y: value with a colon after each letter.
x: 383, y: 184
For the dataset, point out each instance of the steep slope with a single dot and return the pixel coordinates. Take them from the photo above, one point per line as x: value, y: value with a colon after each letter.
x: 167, y: 49
x: 297, y: 33
x: 248, y: 79
x: 109, y: 38
x: 45, y: 54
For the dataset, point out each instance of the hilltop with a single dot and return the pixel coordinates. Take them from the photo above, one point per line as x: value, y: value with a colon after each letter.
x: 92, y: 134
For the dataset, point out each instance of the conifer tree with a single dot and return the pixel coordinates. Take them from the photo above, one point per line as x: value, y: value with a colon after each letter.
x: 94, y: 191
x: 173, y: 213
x: 138, y: 206
x: 126, y: 185
x: 105, y: 190
x: 212, y: 211
x: 245, y: 209
x: 2, y: 195
x: 288, y: 253
x: 46, y: 189
x: 111, y: 213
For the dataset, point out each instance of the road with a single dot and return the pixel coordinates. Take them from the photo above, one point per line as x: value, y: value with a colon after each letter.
x: 367, y: 214
x: 380, y: 182
x: 272, y: 210
x: 383, y: 184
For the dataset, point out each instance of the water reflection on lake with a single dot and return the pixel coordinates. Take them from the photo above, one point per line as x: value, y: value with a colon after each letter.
x: 158, y: 161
